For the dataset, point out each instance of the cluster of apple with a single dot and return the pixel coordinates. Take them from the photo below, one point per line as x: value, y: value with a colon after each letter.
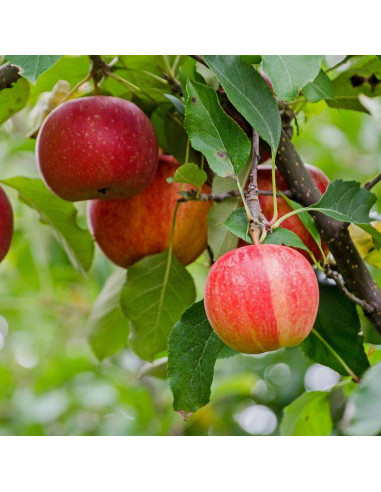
x: 104, y: 150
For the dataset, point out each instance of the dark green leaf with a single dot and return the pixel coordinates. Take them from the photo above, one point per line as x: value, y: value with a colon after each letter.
x: 188, y: 71
x: 177, y: 103
x: 363, y: 414
x: 318, y: 89
x: 193, y: 350
x: 212, y: 132
x: 33, y: 65
x: 60, y: 215
x: 252, y: 59
x: 238, y: 224
x: 109, y: 328
x: 250, y: 94
x: 285, y: 237
x: 289, y: 74
x: 335, y: 341
x: 157, y: 292
x: 13, y: 99
x: 308, y: 415
x: 190, y: 173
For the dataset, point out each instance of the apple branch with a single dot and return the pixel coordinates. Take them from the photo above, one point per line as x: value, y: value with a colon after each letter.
x: 373, y: 182
x: 350, y: 265
x: 191, y: 195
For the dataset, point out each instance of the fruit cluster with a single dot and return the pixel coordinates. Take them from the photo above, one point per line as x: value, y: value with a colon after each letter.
x: 104, y: 150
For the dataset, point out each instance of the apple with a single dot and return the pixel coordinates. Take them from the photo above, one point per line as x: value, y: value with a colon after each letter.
x: 261, y: 298
x: 6, y: 224
x: 97, y: 147
x: 129, y: 229
x: 293, y: 223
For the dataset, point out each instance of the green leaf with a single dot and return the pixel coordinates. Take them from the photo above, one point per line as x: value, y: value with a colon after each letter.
x: 363, y: 413
x: 308, y: 415
x: 13, y: 99
x: 212, y: 132
x: 335, y: 341
x: 318, y: 89
x: 373, y: 232
x: 188, y: 71
x: 346, y: 201
x: 289, y: 74
x: 190, y: 173
x: 252, y: 59
x: 176, y: 102
x: 109, y: 328
x: 285, y: 237
x: 193, y: 350
x: 157, y: 292
x: 238, y: 224
x: 250, y: 94
x: 33, y: 65
x: 60, y: 215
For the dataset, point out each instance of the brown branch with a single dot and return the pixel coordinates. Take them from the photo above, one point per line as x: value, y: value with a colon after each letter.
x: 191, y: 195
x: 373, y: 182
x: 350, y: 265
x: 199, y: 59
x: 9, y: 74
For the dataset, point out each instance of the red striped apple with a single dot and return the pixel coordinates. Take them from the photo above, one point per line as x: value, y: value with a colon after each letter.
x: 6, y: 224
x: 129, y: 229
x: 293, y: 223
x: 97, y: 147
x: 261, y: 298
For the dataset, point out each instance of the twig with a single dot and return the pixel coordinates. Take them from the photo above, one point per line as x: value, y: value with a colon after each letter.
x: 191, y: 195
x: 368, y: 308
x: 199, y: 59
x: 373, y: 182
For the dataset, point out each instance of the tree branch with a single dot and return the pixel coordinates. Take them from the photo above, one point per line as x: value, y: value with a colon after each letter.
x: 9, y: 74
x: 199, y: 59
x: 350, y: 265
x: 373, y: 182
x: 191, y: 195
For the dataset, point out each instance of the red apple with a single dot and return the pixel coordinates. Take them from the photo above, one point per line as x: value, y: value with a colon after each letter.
x: 261, y: 298
x: 6, y: 224
x: 129, y: 229
x: 97, y: 147
x: 293, y: 223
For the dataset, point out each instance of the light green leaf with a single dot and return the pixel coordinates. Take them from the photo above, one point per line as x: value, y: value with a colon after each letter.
x: 250, y: 94
x: 13, y: 99
x: 318, y: 89
x: 60, y: 215
x: 289, y: 74
x: 212, y: 132
x: 308, y: 415
x: 376, y: 235
x: 109, y: 328
x: 190, y: 173
x: 33, y: 65
x: 193, y: 350
x: 238, y: 224
x: 157, y: 292
x: 285, y: 237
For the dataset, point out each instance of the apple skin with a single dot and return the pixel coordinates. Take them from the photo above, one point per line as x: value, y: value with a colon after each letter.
x: 6, y: 224
x: 97, y: 147
x: 130, y: 229
x: 293, y: 223
x: 261, y: 298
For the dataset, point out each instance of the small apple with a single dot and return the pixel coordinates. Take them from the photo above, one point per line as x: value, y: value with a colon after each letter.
x: 261, y: 298
x: 97, y: 147
x: 130, y: 229
x: 6, y: 224
x: 293, y: 223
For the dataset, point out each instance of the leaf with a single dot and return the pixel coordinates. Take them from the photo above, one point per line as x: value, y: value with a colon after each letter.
x: 212, y: 132
x: 238, y: 224
x: 193, y: 350
x: 252, y: 59
x: 33, y: 65
x: 285, y: 237
x: 157, y: 292
x: 364, y: 406
x: 289, y: 74
x: 176, y: 102
x: 13, y: 99
x: 190, y: 173
x: 220, y: 239
x: 250, y: 94
x: 308, y: 415
x: 320, y: 88
x: 376, y: 235
x: 109, y: 328
x: 335, y: 341
x: 188, y: 71
x: 60, y: 215
x: 346, y: 201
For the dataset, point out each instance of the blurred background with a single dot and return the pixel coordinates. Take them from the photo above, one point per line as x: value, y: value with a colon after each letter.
x: 52, y: 384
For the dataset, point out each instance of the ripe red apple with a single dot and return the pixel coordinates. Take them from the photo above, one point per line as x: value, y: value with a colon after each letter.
x: 129, y: 229
x: 6, y: 224
x: 97, y: 147
x: 293, y: 223
x: 261, y: 298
